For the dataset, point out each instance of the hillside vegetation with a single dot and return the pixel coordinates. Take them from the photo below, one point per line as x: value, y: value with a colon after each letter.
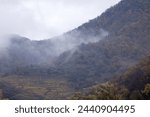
x: 132, y: 84
x: 127, y: 43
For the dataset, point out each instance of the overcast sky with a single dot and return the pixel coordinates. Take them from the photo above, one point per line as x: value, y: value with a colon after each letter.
x: 41, y: 19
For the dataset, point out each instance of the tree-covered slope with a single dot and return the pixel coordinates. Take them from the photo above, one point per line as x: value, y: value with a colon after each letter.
x: 134, y: 83
x: 128, y: 41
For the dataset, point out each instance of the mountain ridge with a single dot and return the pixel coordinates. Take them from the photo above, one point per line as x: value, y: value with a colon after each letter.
x: 127, y: 43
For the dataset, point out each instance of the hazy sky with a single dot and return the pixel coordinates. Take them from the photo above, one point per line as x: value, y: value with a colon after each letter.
x: 39, y: 19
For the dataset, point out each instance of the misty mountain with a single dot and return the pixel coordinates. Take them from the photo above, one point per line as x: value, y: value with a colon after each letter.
x: 21, y: 52
x: 128, y: 42
x: 103, y: 46
x: 93, y: 53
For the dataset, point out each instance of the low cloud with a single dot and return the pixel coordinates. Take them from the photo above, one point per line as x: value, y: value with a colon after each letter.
x: 41, y: 19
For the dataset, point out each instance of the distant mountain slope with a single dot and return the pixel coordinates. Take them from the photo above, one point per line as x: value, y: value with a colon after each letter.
x: 20, y: 52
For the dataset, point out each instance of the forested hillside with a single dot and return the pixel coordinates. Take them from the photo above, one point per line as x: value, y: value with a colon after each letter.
x: 134, y: 83
x: 127, y: 43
